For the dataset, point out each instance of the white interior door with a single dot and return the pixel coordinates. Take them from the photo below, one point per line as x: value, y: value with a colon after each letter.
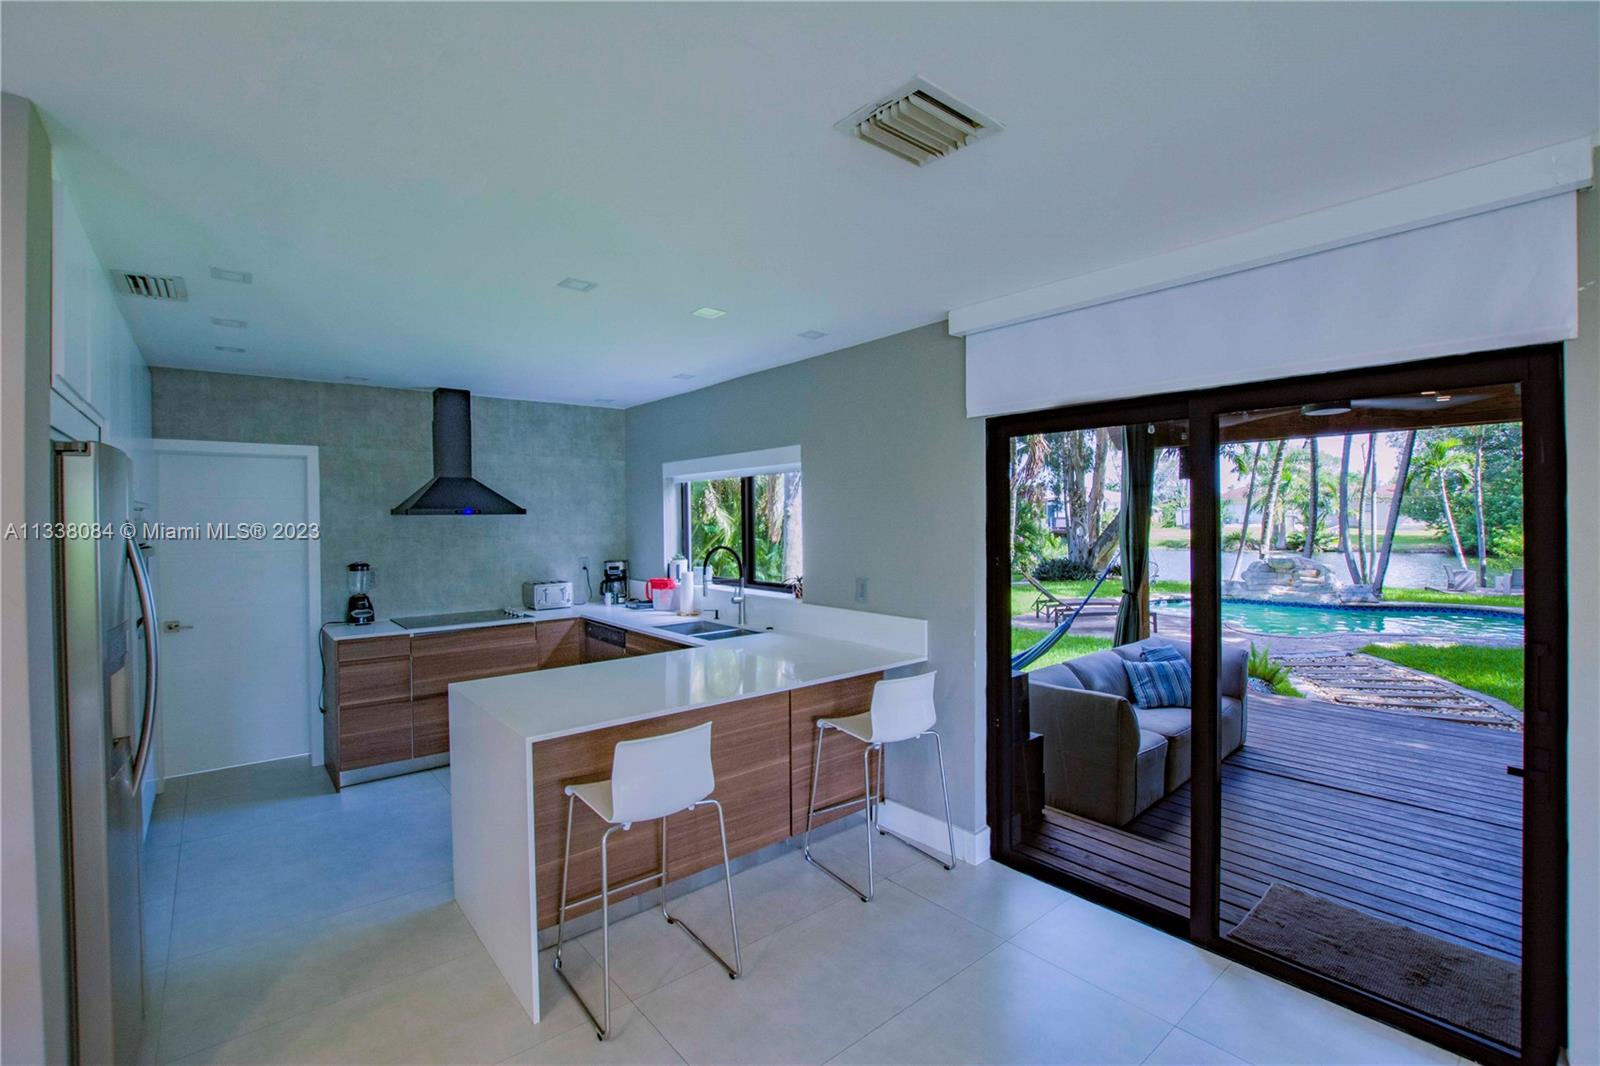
x: 238, y: 614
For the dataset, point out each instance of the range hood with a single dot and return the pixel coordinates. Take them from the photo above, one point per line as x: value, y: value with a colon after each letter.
x: 453, y: 489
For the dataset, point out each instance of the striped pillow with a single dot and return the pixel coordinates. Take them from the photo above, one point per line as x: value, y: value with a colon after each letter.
x: 1159, y: 684
x: 1161, y: 653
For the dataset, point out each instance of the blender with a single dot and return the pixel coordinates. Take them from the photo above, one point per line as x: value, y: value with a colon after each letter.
x: 359, y: 611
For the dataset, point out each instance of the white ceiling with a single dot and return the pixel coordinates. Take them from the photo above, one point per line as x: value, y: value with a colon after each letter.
x: 407, y: 183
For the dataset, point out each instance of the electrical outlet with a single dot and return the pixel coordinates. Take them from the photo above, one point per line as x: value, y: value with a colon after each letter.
x: 861, y: 590
x: 583, y: 562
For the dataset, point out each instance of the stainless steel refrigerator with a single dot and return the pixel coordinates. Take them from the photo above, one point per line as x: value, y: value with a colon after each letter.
x: 106, y: 641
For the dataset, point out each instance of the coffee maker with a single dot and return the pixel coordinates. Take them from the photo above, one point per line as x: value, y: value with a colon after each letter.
x: 615, y: 580
x: 359, y: 612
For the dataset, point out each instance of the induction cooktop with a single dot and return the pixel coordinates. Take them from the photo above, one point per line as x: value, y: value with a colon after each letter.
x: 459, y: 618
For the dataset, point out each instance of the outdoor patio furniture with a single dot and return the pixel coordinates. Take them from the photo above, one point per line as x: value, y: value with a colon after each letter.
x: 1047, y: 604
x: 1457, y: 580
x: 1510, y: 583
x: 1105, y: 757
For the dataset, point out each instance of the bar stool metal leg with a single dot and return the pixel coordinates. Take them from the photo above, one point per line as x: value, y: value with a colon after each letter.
x: 727, y: 873
x: 944, y: 787
x: 812, y: 812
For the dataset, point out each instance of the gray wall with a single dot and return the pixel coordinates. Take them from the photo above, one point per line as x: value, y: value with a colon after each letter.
x: 564, y: 464
x: 893, y: 493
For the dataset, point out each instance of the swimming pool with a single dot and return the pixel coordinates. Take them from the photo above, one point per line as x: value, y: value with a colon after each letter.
x: 1307, y: 620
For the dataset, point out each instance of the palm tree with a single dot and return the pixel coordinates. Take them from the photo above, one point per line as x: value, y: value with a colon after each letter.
x: 1272, y: 497
x: 1477, y: 488
x: 1311, y: 507
x: 1438, y: 461
x: 1401, y: 476
x: 1249, y: 498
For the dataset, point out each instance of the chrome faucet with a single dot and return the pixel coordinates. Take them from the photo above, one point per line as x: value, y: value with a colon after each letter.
x: 705, y: 576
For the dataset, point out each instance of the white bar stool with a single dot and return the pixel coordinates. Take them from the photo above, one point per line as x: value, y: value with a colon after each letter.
x: 650, y: 779
x: 902, y: 709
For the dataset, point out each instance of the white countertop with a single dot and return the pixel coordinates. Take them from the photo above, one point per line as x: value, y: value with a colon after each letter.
x: 545, y: 704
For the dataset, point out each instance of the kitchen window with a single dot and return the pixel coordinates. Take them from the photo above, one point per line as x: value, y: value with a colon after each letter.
x: 757, y: 515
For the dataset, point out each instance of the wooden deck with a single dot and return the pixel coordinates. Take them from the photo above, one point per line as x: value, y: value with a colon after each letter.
x: 1410, y: 819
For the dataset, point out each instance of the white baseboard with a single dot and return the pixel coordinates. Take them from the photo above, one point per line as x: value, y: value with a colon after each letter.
x: 928, y: 831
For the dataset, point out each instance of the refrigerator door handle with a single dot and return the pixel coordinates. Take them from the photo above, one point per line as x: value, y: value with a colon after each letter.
x: 147, y: 610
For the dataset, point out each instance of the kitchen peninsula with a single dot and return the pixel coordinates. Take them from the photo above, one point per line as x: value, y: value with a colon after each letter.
x: 517, y: 740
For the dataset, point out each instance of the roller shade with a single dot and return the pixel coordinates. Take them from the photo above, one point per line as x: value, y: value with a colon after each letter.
x: 1493, y: 280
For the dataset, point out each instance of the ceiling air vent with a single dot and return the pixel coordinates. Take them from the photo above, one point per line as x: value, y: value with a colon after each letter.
x: 919, y: 123
x: 151, y: 286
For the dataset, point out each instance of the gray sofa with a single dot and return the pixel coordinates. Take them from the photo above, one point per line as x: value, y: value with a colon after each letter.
x: 1108, y: 759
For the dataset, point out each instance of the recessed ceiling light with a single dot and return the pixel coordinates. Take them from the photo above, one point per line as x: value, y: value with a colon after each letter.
x: 605, y: 399
x: 683, y: 377
x: 813, y: 334
x: 1442, y: 399
x: 1323, y: 410
x: 228, y: 348
x: 576, y: 284
x: 240, y: 276
x: 230, y: 323
x: 709, y: 312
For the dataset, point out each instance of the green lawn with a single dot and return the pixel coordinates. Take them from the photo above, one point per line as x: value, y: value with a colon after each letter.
x: 1494, y: 672
x: 1471, y: 599
x: 1068, y: 647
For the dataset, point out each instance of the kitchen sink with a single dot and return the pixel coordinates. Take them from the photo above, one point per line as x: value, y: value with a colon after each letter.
x: 705, y: 630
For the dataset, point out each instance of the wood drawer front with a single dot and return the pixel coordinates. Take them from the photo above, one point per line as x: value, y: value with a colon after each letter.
x: 361, y: 648
x: 373, y: 734
x: 750, y: 756
x: 430, y: 726
x: 840, y: 778
x: 560, y: 643
x: 440, y: 658
x: 642, y: 644
x: 374, y: 681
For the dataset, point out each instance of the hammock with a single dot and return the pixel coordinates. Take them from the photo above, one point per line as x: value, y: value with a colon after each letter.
x: 1028, y: 656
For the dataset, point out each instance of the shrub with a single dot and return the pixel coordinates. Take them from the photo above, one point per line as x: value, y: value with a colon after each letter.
x: 1506, y: 543
x: 1262, y: 666
x: 1064, y: 569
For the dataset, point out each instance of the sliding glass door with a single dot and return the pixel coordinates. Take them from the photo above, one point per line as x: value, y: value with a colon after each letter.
x: 1370, y: 606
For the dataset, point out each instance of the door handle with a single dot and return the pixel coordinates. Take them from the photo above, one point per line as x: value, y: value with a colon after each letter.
x: 174, y: 626
x: 147, y: 609
x: 1516, y: 771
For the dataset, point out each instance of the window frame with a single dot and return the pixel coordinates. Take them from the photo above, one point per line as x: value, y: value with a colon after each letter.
x: 747, y: 532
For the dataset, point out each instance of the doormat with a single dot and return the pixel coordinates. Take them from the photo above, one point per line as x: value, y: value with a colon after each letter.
x: 1451, y: 982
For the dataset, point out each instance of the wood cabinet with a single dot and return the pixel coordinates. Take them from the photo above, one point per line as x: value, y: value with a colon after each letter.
x: 645, y: 644
x: 841, y: 774
x: 750, y: 756
x: 366, y: 701
x: 437, y: 659
x: 385, y: 698
x: 560, y: 642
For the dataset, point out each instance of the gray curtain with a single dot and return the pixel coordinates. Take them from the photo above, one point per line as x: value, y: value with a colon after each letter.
x: 1138, y: 471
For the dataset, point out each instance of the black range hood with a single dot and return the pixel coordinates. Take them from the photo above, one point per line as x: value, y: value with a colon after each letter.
x: 453, y: 489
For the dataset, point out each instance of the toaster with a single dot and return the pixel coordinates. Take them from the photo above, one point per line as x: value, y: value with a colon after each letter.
x: 546, y: 595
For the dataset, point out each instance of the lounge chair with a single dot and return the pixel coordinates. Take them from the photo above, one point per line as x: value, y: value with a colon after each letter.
x: 1053, y: 608
x: 1457, y: 580
x: 1047, y: 604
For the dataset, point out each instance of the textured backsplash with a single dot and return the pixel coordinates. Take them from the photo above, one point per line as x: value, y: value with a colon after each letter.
x: 565, y: 464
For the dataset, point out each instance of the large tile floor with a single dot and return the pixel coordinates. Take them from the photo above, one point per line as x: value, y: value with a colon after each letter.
x: 286, y: 923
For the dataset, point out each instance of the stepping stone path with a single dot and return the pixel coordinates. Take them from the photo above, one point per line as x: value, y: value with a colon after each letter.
x: 1357, y: 680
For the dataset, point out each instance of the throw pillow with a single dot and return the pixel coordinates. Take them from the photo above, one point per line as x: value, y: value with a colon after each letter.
x: 1161, y: 653
x: 1159, y: 684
